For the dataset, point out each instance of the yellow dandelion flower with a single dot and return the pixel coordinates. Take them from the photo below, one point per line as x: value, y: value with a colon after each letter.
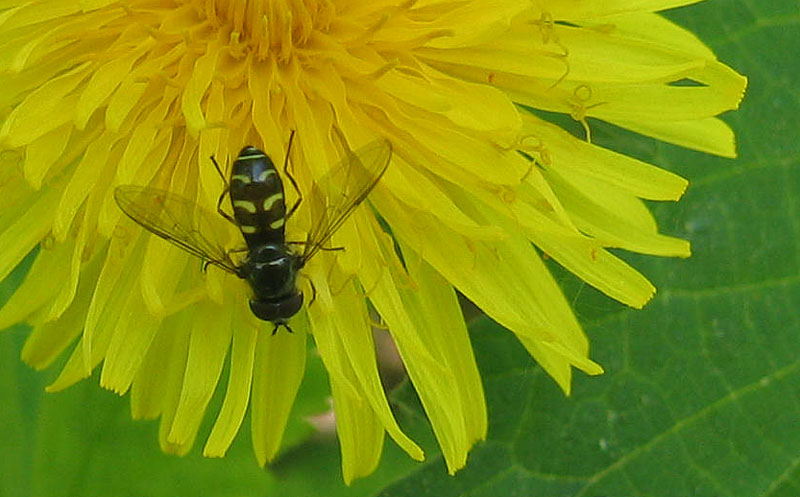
x: 104, y: 93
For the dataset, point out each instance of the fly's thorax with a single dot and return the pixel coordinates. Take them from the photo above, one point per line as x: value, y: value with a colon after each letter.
x: 271, y: 270
x: 257, y: 199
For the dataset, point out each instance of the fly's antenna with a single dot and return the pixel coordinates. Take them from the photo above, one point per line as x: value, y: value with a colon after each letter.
x: 278, y: 325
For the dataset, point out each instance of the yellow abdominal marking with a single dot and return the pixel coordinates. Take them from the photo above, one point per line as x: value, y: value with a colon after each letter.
x: 270, y: 201
x: 241, y: 177
x: 276, y: 224
x: 248, y: 229
x: 266, y: 174
x: 246, y: 205
x: 249, y: 157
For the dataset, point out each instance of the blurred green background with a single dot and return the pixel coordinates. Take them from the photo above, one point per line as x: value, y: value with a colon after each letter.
x: 701, y: 395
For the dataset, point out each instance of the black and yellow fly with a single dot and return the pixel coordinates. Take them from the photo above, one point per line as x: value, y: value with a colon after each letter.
x: 256, y: 194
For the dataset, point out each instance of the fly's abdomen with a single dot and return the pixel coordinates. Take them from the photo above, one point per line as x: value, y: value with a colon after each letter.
x: 257, y: 198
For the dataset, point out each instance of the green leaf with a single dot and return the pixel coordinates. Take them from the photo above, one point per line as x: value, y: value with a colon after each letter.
x: 83, y: 442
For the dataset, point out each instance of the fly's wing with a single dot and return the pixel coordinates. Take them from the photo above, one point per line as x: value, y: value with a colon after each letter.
x: 175, y: 219
x: 341, y: 190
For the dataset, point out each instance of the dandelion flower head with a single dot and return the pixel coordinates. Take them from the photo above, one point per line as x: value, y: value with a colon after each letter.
x: 102, y: 93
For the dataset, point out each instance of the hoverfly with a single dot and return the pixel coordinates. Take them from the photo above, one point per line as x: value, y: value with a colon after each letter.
x: 256, y: 194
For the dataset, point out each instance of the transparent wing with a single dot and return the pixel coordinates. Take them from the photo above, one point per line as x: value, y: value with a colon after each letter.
x: 340, y: 191
x: 175, y: 219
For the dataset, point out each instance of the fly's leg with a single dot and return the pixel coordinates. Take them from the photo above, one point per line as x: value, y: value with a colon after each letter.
x: 219, y: 207
x: 313, y: 289
x: 228, y: 253
x: 313, y: 292
x: 222, y: 195
x: 291, y: 178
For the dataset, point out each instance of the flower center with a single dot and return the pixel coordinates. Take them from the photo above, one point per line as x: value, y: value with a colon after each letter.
x: 268, y: 27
